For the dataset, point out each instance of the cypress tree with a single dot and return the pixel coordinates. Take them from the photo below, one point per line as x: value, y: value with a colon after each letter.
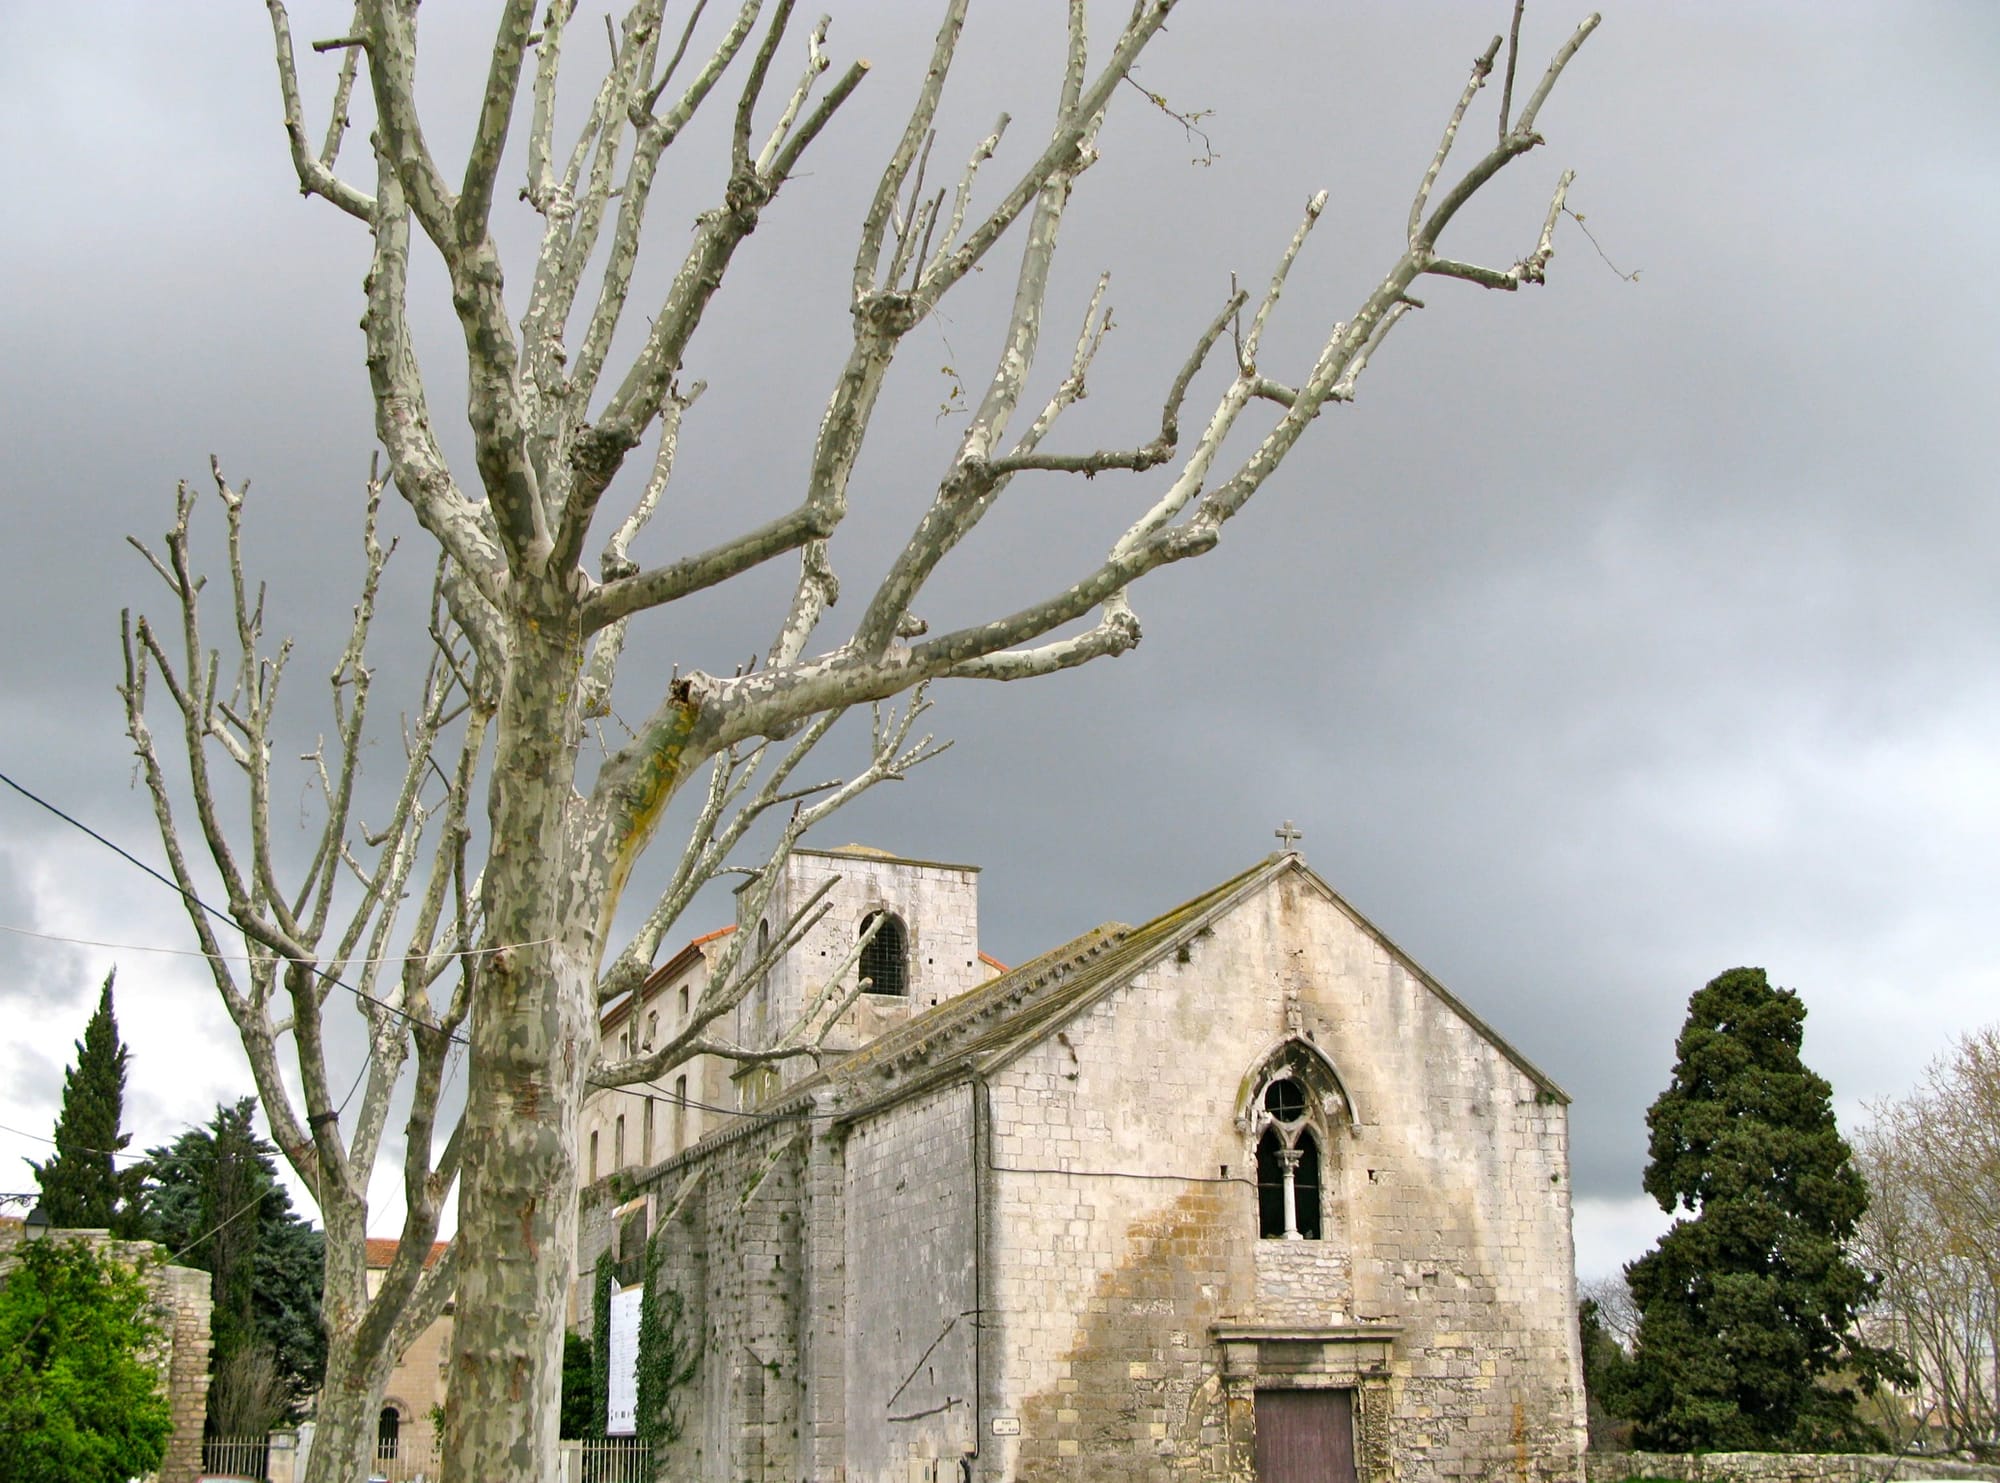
x: 1747, y: 1306
x: 82, y: 1187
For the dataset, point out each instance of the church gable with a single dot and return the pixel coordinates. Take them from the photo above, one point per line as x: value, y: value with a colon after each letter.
x: 1120, y: 1211
x: 1273, y: 1124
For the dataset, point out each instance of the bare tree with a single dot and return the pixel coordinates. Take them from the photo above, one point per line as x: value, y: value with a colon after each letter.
x: 509, y: 956
x: 1932, y: 1161
x: 1616, y: 1313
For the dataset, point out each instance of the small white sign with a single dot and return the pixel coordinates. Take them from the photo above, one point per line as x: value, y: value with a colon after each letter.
x: 622, y: 1410
x: 1006, y: 1426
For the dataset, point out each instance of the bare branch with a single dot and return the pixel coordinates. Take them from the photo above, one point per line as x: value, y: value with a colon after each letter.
x: 1526, y: 123
x: 1531, y: 269
x: 315, y: 172
x: 1247, y: 354
x: 651, y: 589
x: 1482, y: 67
x: 402, y: 413
x: 496, y: 111
x: 1513, y: 56
x: 1147, y: 455
x: 875, y: 223
x: 541, y: 185
x: 753, y: 87
x: 343, y: 93
x: 1520, y: 139
x: 389, y: 33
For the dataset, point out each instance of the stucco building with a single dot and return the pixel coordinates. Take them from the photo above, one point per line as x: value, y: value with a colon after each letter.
x: 406, y: 1434
x: 1239, y: 1193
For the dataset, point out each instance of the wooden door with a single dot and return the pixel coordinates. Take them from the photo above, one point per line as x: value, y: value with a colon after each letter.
x: 1305, y: 1436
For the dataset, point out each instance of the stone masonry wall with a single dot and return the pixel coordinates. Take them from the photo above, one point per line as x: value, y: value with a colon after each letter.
x: 1125, y: 1222
x: 182, y: 1294
x: 181, y: 1308
x: 1305, y: 1282
x: 1119, y: 1158
x: 1457, y: 1192
x: 912, y: 1305
x: 1111, y: 1220
x: 738, y: 1264
x: 938, y: 904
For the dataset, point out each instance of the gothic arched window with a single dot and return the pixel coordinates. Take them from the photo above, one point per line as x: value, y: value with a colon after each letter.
x: 388, y: 1430
x: 1291, y: 1106
x: 885, y: 960
x: 1288, y: 1173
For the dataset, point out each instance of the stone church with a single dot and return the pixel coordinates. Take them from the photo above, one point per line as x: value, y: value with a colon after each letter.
x: 1241, y: 1193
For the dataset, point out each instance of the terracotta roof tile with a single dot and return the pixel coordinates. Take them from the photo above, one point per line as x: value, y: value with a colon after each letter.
x: 382, y: 1251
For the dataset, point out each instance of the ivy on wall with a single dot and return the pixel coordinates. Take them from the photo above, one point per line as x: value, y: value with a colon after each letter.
x: 600, y: 1346
x: 669, y: 1352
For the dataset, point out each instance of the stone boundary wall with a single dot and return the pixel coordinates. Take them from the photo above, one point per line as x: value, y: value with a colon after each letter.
x: 181, y: 1306
x: 1779, y: 1467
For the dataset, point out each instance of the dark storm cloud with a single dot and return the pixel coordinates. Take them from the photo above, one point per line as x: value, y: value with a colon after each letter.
x: 1621, y: 632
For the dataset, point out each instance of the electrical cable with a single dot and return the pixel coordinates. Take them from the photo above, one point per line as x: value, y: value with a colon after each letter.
x: 101, y: 1153
x: 460, y: 1039
x: 195, y: 952
x: 230, y: 1220
x: 222, y: 916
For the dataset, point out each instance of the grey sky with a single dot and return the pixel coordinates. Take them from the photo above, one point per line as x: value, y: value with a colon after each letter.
x: 1619, y: 634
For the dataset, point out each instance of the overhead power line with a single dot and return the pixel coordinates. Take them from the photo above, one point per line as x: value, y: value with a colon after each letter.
x: 223, y: 916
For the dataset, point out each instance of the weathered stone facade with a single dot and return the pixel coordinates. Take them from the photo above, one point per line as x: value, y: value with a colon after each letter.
x: 184, y: 1304
x: 1037, y: 1232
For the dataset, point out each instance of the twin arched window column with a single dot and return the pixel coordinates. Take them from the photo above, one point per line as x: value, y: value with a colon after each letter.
x: 1291, y: 1107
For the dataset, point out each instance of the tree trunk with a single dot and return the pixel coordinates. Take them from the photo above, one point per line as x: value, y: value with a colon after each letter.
x: 350, y: 1408
x: 357, y: 1366
x: 532, y: 1030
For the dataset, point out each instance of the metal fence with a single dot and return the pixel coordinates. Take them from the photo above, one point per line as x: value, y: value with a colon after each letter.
x: 235, y: 1457
x: 410, y: 1460
x: 414, y: 1460
x: 610, y: 1460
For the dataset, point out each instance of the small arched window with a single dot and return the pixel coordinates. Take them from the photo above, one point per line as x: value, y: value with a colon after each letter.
x: 388, y: 1431
x: 1291, y: 1103
x: 1288, y: 1176
x: 652, y: 1030
x: 885, y: 960
x: 760, y: 997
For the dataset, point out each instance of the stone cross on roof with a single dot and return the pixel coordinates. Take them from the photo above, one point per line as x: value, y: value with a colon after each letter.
x: 1289, y: 834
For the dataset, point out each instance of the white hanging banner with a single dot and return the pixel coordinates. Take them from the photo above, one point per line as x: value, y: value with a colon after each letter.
x: 622, y: 1411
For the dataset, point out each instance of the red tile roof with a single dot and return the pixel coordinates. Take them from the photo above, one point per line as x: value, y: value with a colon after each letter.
x: 621, y: 1007
x: 382, y: 1251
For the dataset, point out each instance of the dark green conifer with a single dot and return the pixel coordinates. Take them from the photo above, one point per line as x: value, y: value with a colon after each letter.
x: 214, y: 1201
x: 82, y: 1186
x: 1747, y: 1306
